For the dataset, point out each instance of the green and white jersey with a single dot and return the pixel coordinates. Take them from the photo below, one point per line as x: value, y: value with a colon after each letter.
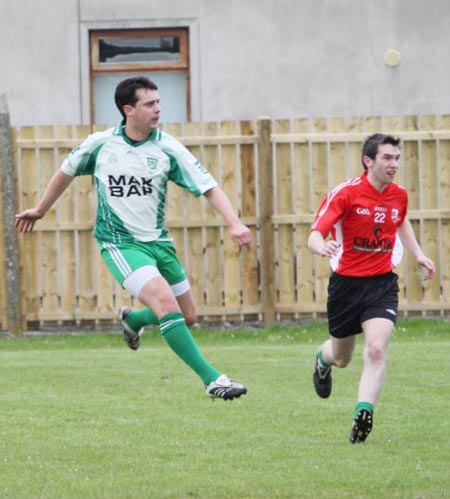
x: 131, y: 180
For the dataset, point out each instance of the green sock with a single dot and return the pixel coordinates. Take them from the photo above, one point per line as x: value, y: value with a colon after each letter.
x: 322, y: 363
x: 364, y: 405
x: 180, y: 340
x: 141, y: 318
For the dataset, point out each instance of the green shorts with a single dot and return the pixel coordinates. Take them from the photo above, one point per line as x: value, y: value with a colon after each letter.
x: 125, y: 258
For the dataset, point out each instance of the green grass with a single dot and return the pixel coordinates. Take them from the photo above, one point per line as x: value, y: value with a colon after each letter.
x: 82, y: 416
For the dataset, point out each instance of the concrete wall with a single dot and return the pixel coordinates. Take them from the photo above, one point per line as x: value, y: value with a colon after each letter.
x: 277, y: 58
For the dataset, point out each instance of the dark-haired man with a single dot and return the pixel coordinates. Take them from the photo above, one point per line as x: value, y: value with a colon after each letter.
x: 366, y: 218
x: 132, y: 164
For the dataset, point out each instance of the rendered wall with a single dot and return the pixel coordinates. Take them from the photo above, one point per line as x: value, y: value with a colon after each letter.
x: 249, y: 58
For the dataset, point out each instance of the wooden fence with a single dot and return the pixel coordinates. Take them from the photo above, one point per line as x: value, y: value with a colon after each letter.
x: 275, y: 173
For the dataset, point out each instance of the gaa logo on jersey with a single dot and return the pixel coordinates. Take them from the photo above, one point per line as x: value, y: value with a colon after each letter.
x: 394, y: 214
x: 152, y: 163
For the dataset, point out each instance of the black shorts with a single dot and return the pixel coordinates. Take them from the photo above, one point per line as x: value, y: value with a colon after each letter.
x: 354, y: 300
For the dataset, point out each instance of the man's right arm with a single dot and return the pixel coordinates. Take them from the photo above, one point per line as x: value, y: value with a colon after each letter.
x: 58, y: 184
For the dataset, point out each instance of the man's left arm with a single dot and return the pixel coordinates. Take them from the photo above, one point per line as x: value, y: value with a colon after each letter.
x: 408, y: 238
x: 239, y: 232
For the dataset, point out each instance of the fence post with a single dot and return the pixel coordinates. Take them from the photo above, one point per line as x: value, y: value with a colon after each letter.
x: 265, y: 165
x: 12, y: 264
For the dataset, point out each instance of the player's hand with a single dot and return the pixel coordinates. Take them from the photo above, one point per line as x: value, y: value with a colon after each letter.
x: 330, y: 248
x: 428, y: 265
x: 25, y: 221
x: 241, y: 234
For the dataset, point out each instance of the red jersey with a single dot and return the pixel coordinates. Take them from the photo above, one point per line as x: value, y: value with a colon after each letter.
x: 364, y: 221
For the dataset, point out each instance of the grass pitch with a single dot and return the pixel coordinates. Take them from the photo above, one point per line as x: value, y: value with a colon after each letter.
x: 82, y: 416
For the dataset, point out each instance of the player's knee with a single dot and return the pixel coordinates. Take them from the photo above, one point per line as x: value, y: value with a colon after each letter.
x: 375, y: 353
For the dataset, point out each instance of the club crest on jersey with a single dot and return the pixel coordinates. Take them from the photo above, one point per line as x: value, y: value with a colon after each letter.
x: 152, y: 163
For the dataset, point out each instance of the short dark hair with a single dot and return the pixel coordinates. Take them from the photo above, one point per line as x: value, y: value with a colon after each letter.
x: 371, y: 144
x: 126, y: 91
